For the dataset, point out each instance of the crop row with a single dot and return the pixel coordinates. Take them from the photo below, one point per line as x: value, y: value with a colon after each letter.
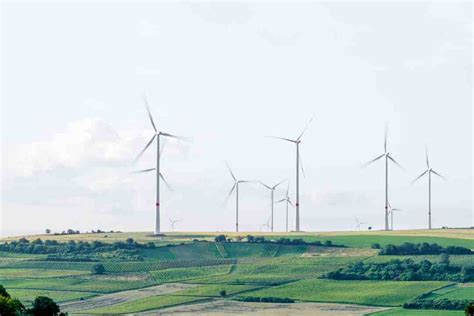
x: 120, y: 267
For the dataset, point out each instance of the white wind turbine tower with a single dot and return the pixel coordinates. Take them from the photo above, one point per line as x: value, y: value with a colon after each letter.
x: 359, y: 223
x: 298, y: 162
x: 173, y: 223
x: 236, y: 188
x: 392, y: 210
x: 159, y: 175
x: 288, y: 201
x: 272, y: 190
x: 429, y: 171
x: 388, y: 157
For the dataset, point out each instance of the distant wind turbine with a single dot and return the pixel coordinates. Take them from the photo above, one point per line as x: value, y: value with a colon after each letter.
x: 173, y: 223
x: 159, y: 175
x: 428, y: 171
x: 388, y: 157
x: 236, y: 188
x: 297, y: 142
x: 267, y: 225
x: 392, y: 210
x: 288, y: 201
x: 272, y: 190
x: 359, y: 223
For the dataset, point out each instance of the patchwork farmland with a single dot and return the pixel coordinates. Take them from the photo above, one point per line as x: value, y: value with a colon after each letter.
x: 193, y: 274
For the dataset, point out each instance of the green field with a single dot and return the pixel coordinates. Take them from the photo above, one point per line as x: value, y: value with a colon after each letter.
x: 200, y: 270
x: 411, y: 312
x: 380, y: 293
x: 455, y: 292
x: 149, y: 303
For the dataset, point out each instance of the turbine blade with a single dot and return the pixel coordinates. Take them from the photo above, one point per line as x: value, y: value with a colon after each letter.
x: 144, y: 170
x: 395, y: 162
x: 442, y: 177
x: 301, y: 165
x: 279, y: 201
x: 166, y: 182
x: 143, y: 150
x: 421, y: 175
x: 174, y: 136
x: 230, y: 171
x: 372, y: 161
x: 385, y: 139
x: 266, y: 186
x: 289, y: 201
x: 162, y: 148
x: 287, y: 139
x: 288, y: 189
x: 274, y: 187
x: 149, y: 113
x: 427, y: 160
x: 306, y: 127
x: 230, y: 193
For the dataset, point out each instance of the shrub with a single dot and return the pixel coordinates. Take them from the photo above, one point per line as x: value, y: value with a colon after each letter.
x: 223, y: 293
x: 469, y: 310
x: 265, y: 299
x: 98, y: 268
x: 220, y: 238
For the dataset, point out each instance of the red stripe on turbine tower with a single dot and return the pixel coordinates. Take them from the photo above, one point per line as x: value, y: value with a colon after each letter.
x: 157, y: 204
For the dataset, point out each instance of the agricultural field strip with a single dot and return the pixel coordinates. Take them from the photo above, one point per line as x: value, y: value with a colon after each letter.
x: 11, y: 273
x: 124, y: 296
x: 460, y: 291
x: 128, y: 305
x: 222, y: 307
x: 148, y: 304
x: 352, y: 294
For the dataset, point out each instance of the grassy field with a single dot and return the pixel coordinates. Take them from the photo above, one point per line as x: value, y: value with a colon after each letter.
x: 27, y: 295
x: 380, y: 293
x: 412, y: 312
x: 144, y: 304
x: 199, y: 271
x: 455, y: 292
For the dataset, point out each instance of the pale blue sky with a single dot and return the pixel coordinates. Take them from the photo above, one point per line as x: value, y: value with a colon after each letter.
x: 226, y: 75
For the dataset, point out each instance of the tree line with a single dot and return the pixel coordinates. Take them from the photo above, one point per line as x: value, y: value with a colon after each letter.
x: 407, y: 249
x: 404, y: 270
x: 78, y: 251
x: 281, y: 241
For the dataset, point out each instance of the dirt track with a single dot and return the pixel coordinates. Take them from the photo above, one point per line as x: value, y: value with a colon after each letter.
x: 228, y: 307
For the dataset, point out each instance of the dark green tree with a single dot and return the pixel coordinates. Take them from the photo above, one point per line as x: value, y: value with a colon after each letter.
x: 220, y: 238
x: 469, y: 311
x: 98, y: 268
x: 4, y: 292
x: 44, y: 306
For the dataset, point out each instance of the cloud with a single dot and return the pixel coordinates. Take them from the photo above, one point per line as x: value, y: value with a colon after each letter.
x: 87, y: 142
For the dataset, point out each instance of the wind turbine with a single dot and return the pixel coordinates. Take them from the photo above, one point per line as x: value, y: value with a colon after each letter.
x: 392, y: 210
x: 428, y: 171
x: 288, y: 201
x: 267, y: 224
x: 358, y: 223
x: 298, y: 162
x: 387, y: 157
x: 173, y: 222
x: 272, y: 190
x: 236, y: 188
x: 159, y: 175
